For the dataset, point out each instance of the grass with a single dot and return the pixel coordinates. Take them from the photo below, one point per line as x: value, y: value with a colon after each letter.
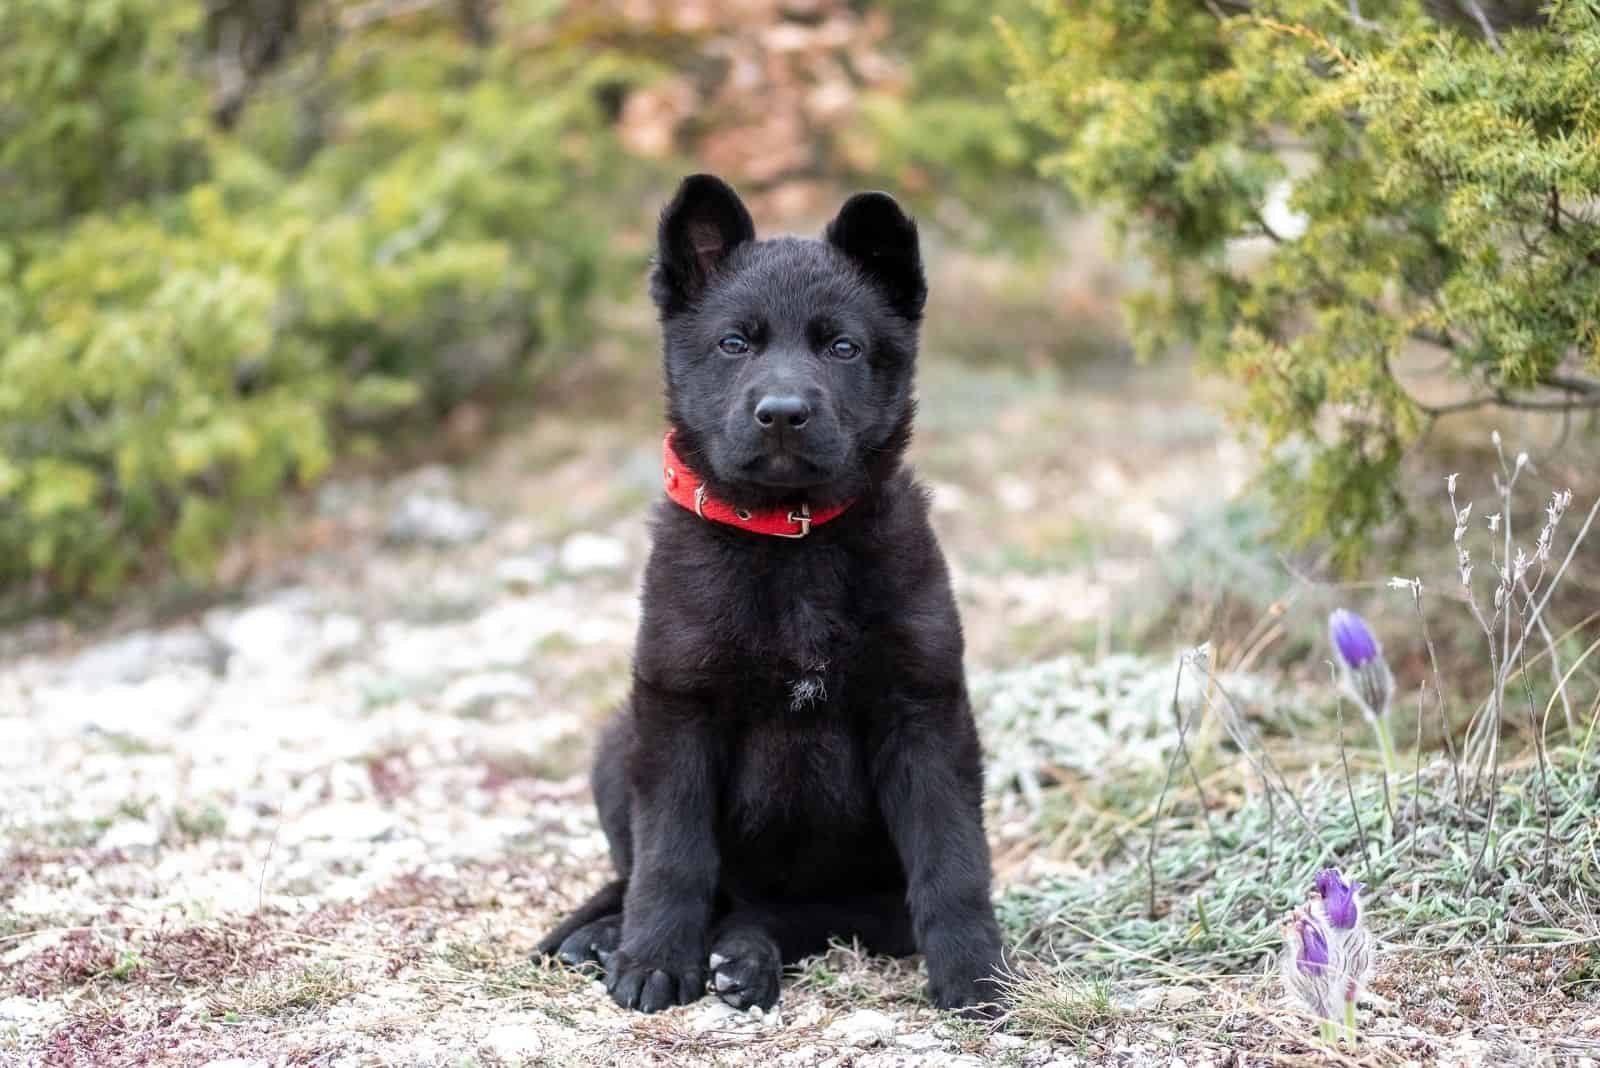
x: 1060, y: 1008
x: 274, y: 995
x: 1218, y: 899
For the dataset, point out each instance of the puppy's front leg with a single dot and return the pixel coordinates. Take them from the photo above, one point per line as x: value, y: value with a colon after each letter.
x: 667, y: 910
x: 929, y: 784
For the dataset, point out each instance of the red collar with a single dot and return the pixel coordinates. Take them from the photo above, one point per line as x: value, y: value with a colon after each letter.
x: 687, y: 490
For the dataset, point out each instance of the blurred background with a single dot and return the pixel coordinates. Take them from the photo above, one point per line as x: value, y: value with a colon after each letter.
x: 250, y: 246
x: 330, y: 409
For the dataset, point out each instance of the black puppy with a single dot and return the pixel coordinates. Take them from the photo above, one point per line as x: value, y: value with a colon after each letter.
x: 798, y: 760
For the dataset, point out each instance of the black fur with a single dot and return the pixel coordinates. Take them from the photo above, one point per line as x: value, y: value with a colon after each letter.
x: 797, y: 761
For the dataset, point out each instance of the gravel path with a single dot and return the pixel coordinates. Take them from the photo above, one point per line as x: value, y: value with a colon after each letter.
x: 325, y: 822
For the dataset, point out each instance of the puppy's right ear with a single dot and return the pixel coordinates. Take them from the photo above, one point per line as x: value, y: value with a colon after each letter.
x: 704, y: 223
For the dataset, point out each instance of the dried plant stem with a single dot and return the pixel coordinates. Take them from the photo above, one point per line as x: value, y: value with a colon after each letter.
x: 1555, y: 663
x: 1538, y: 748
x: 1572, y: 550
x: 1172, y: 767
x: 1234, y: 724
x: 1438, y: 692
x: 1391, y: 762
x: 1350, y: 791
x: 1416, y: 783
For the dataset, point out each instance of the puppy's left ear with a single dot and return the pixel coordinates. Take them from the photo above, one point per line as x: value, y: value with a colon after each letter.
x: 882, y: 240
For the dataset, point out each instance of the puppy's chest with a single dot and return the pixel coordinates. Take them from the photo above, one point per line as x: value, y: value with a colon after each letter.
x: 795, y: 643
x: 800, y: 772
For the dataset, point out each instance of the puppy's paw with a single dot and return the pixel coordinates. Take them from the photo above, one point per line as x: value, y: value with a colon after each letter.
x: 967, y: 976
x: 745, y: 969
x: 651, y: 985
x: 593, y: 943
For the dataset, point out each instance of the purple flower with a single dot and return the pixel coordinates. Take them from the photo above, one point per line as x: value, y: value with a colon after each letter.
x: 1352, y: 638
x: 1313, y: 955
x: 1366, y: 672
x: 1339, y: 899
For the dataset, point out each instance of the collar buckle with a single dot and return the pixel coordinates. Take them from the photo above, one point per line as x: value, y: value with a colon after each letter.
x: 802, y: 517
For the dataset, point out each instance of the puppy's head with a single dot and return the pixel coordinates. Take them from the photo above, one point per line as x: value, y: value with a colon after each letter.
x: 788, y: 361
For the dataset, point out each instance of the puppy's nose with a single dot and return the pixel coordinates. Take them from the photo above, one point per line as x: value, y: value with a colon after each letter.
x: 782, y: 412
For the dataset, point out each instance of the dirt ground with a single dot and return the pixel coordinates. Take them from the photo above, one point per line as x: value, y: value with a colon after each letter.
x: 324, y: 821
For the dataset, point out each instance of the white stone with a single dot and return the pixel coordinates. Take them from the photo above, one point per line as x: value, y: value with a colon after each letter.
x: 341, y: 822
x: 1016, y: 495
x: 135, y: 657
x: 919, y: 1040
x: 277, y: 637
x: 948, y: 497
x: 514, y: 1042
x: 21, y: 1010
x: 475, y: 694
x: 522, y: 573
x: 863, y: 1028
x: 585, y: 552
x: 131, y: 834
x: 1167, y: 997
x: 435, y: 519
x: 715, y: 1015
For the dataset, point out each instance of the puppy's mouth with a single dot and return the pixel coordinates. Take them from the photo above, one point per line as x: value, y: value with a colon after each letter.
x: 784, y: 469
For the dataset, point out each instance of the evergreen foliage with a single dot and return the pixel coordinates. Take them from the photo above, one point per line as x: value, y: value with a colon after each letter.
x: 236, y: 238
x: 1440, y: 166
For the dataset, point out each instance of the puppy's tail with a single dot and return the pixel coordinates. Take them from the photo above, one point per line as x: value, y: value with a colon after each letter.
x: 607, y: 901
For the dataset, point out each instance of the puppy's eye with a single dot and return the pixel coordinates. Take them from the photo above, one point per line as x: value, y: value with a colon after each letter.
x: 845, y: 349
x: 734, y: 345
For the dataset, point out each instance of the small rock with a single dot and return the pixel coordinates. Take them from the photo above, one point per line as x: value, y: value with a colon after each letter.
x: 276, y: 636
x: 435, y: 519
x: 236, y: 1062
x: 1003, y: 1041
x: 513, y: 1043
x: 585, y: 553
x: 715, y: 1015
x: 519, y: 574
x: 1016, y: 495
x: 948, y: 497
x: 919, y: 1040
x: 866, y: 1027
x: 474, y: 695
x: 342, y: 822
x: 134, y: 657
x: 20, y: 1010
x: 131, y: 834
x: 1158, y: 998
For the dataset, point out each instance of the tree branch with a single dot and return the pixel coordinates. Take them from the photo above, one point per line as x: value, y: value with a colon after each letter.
x: 1473, y: 8
x: 1570, y: 384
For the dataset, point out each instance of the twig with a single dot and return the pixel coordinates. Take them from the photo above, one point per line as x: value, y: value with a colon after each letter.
x: 1416, y: 783
x: 1474, y: 9
x: 1438, y: 691
x: 1183, y: 751
x: 1350, y: 791
x: 1172, y: 767
x: 1234, y: 725
x: 1572, y: 550
x: 1538, y: 748
x: 1555, y: 663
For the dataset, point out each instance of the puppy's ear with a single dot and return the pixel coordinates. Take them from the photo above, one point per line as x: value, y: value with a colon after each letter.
x: 872, y: 230
x: 705, y: 221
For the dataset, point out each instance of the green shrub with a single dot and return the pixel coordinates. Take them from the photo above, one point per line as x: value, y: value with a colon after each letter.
x: 947, y: 139
x: 195, y: 314
x: 1440, y: 186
